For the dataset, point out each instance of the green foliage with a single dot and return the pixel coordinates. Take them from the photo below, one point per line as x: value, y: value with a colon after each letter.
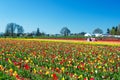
x: 114, y: 30
x: 4, y: 76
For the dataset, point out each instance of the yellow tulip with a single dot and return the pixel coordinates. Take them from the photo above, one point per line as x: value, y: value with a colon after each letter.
x: 81, y: 76
x: 63, y: 78
x: 40, y: 70
x: 9, y: 61
x: 34, y: 71
x: 47, y: 72
x: 26, y: 61
x: 99, y: 67
x: 1, y: 68
x: 6, y: 71
x: 62, y: 69
x: 28, y: 58
x: 10, y: 70
x: 15, y: 73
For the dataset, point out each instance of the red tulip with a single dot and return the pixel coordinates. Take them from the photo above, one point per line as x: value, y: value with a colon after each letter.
x: 17, y: 77
x: 92, y: 79
x: 55, y: 77
x: 26, y: 66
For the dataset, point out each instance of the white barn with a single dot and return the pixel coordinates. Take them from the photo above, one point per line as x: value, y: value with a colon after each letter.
x: 87, y: 34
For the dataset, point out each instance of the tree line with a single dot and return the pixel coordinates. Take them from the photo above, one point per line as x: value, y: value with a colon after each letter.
x: 114, y: 30
x: 13, y: 29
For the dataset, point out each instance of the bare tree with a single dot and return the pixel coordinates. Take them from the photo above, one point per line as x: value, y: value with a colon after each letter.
x: 11, y: 27
x: 20, y: 30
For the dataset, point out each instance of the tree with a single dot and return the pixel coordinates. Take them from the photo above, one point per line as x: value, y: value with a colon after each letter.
x: 65, y: 31
x: 38, y: 32
x: 82, y: 33
x: 108, y: 31
x: 11, y: 27
x: 118, y: 30
x: 43, y: 33
x: 7, y: 31
x: 98, y: 31
x: 112, y: 32
x: 20, y: 30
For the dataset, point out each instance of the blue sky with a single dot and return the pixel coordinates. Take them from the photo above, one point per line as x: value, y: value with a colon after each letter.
x: 51, y: 15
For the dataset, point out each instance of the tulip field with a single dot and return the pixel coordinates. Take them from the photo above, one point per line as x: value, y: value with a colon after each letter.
x: 27, y: 59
